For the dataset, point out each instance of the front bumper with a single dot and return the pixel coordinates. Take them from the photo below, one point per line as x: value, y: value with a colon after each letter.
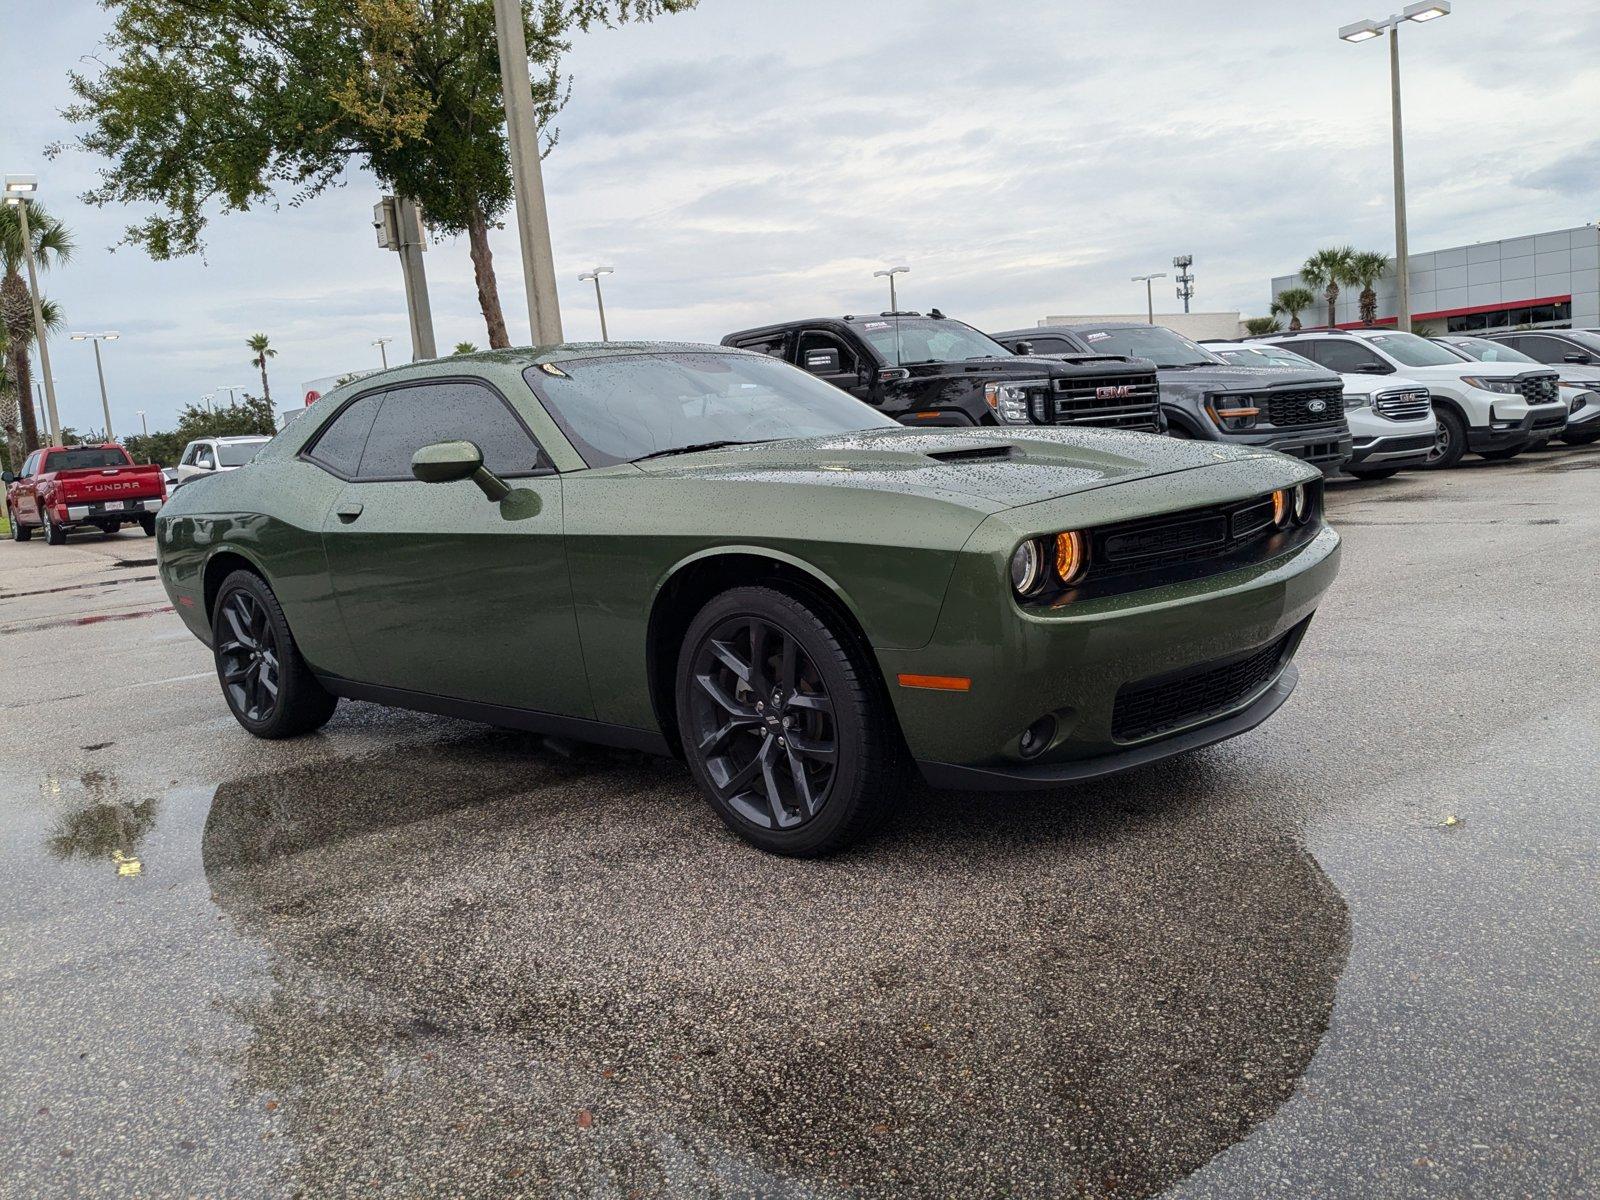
x: 1538, y: 424
x: 1071, y: 661
x: 112, y: 510
x: 1398, y: 450
x: 1325, y: 447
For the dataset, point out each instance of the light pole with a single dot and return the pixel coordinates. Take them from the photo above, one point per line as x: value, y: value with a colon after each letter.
x: 39, y: 406
x: 598, y: 298
x: 206, y: 398
x: 97, y: 338
x: 889, y: 273
x: 1185, y: 280
x: 1149, y: 296
x: 19, y: 190
x: 383, y: 350
x: 144, y: 426
x: 1363, y: 31
x: 527, y: 176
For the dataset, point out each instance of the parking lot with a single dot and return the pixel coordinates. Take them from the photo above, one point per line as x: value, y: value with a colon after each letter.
x: 1352, y: 952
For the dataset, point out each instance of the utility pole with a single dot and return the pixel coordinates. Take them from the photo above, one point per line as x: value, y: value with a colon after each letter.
x: 1185, y: 280
x: 399, y: 224
x: 527, y: 175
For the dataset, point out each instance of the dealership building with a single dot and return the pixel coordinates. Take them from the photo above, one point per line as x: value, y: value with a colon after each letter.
x: 1546, y: 279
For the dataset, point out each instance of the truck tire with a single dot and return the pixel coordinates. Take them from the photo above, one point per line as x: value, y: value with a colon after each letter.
x: 1501, y: 455
x: 1450, y: 441
x: 148, y: 524
x: 267, y: 685
x: 54, y: 535
x: 1373, y: 473
x: 784, y: 725
x: 19, y: 531
x: 1581, y: 439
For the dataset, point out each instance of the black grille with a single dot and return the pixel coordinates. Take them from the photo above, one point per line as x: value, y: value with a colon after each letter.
x: 1298, y: 407
x: 1403, y: 406
x: 1127, y: 401
x: 1196, y: 535
x: 1539, y: 389
x: 1167, y: 702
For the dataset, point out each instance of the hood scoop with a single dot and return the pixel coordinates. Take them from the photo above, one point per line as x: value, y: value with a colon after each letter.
x: 974, y: 453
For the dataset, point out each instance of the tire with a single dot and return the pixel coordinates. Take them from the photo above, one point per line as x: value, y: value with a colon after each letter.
x: 741, y: 752
x: 54, y: 535
x: 1451, y: 440
x: 254, y: 651
x: 1501, y: 455
x: 1374, y: 473
x: 19, y: 531
x: 1581, y: 439
x: 148, y: 524
x: 110, y: 529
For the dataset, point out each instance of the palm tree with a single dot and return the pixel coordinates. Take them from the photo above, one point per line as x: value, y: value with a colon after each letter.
x: 261, y: 351
x: 464, y: 348
x: 1366, y: 268
x: 1291, y: 302
x: 52, y: 244
x: 1327, y: 269
x: 1256, y: 326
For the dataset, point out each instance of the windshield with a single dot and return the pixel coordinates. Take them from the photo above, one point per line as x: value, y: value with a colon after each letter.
x: 618, y: 409
x: 1162, y: 346
x: 236, y: 454
x: 1485, y: 350
x: 85, y: 458
x: 1410, y: 350
x: 905, y: 342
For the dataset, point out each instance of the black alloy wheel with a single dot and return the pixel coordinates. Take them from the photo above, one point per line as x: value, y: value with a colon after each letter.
x: 248, y: 659
x: 784, y: 724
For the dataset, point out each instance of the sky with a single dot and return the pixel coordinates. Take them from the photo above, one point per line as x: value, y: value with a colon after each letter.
x: 757, y: 160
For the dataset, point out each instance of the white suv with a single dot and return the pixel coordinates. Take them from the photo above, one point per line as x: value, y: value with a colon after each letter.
x: 1495, y: 410
x: 207, y: 456
x: 1391, y: 418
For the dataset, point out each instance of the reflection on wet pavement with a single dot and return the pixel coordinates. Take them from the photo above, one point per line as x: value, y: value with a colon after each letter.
x: 593, y: 989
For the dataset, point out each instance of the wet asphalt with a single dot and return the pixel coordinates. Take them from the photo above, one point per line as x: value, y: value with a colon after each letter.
x: 1353, y: 953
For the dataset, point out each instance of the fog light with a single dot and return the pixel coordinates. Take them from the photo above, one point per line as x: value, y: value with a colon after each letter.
x: 1037, y: 736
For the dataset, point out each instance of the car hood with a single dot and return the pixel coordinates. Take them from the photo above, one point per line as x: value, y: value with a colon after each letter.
x: 1014, y: 366
x: 1234, y: 378
x: 1487, y: 370
x: 987, y: 469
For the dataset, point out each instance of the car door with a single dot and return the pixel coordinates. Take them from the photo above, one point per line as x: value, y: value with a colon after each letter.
x: 441, y: 590
x: 24, y: 498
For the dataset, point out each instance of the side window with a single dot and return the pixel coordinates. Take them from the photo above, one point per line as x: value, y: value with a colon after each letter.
x: 1308, y: 348
x: 338, y: 447
x: 1545, y: 349
x: 29, y: 467
x: 816, y: 339
x: 772, y: 343
x: 1049, y: 345
x: 1348, y: 358
x: 414, y: 417
x: 204, y: 456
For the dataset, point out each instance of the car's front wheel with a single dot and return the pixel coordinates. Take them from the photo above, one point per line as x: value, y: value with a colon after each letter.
x: 266, y: 683
x: 784, y: 725
x: 1449, y: 439
x: 1373, y: 473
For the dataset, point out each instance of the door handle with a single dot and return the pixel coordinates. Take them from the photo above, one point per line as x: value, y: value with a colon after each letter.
x: 348, y: 512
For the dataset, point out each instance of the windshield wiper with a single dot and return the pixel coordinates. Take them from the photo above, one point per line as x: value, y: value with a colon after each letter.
x: 692, y: 448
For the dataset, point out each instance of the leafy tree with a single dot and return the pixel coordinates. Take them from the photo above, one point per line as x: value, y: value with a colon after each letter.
x: 464, y: 348
x: 260, y: 351
x: 203, y: 103
x: 1366, y: 268
x: 1329, y: 268
x: 52, y: 244
x: 1291, y: 302
x: 1256, y: 326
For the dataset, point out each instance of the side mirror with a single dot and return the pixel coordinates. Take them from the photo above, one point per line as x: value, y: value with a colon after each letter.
x: 1577, y: 356
x: 448, y: 462
x: 1023, y: 348
x: 7, y: 477
x: 822, y: 362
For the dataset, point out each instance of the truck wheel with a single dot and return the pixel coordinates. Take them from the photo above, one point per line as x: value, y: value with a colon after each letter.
x: 1373, y: 473
x: 1449, y: 440
x: 783, y: 725
x: 111, y: 528
x: 54, y: 535
x: 1581, y: 439
x: 19, y: 531
x: 148, y: 524
x: 266, y: 683
x: 1501, y: 455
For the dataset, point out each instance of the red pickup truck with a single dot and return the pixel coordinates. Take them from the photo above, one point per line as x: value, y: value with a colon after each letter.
x: 67, y: 487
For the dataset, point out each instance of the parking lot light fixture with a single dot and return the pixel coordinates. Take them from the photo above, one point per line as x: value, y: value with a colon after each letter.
x: 889, y: 273
x: 598, y: 298
x: 1426, y: 11
x: 20, y: 185
x: 99, y: 369
x: 1149, y: 294
x: 19, y: 193
x: 383, y: 351
x: 1361, y: 31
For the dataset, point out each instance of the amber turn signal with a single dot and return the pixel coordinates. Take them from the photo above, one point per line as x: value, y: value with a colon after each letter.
x: 1280, y: 507
x: 1071, y: 557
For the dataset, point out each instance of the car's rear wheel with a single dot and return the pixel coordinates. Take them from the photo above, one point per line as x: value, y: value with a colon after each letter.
x: 54, y: 535
x: 1373, y: 473
x: 783, y: 724
x: 19, y: 531
x: 266, y: 683
x: 1449, y: 439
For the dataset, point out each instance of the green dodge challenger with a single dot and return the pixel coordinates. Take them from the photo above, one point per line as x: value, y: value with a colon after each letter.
x: 709, y: 553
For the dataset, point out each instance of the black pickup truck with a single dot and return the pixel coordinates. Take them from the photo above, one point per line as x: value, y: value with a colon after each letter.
x: 1206, y: 397
x: 932, y: 370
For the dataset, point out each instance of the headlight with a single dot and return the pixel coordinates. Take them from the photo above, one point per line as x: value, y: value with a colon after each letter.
x: 1302, y: 504
x: 1232, y: 412
x: 1025, y: 568
x: 1009, y: 401
x: 1356, y: 400
x: 1503, y: 386
x: 1072, y: 557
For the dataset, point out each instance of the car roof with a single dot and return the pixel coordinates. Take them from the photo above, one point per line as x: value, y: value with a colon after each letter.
x: 848, y: 320
x: 532, y: 356
x: 240, y: 437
